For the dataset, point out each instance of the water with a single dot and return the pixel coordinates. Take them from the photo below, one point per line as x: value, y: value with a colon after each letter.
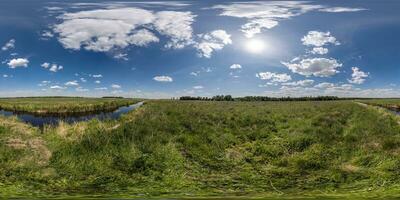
x: 40, y: 121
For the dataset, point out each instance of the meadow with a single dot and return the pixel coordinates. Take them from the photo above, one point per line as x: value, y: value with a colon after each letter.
x: 209, y: 149
x: 62, y: 105
x: 392, y: 104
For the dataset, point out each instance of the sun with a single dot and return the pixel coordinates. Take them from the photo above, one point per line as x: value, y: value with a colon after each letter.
x: 255, y: 46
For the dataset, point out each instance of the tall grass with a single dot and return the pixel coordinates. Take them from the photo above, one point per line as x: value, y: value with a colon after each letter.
x: 63, y: 105
x: 209, y: 148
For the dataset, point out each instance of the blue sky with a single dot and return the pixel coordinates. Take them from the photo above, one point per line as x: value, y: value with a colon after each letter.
x: 162, y: 49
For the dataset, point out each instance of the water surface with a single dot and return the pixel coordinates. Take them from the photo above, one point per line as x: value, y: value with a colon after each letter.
x: 41, y: 120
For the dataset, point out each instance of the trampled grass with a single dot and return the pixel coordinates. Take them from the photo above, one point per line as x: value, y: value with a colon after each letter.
x: 175, y: 148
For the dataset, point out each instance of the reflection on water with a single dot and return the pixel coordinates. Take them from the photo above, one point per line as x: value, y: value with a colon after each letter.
x: 40, y: 121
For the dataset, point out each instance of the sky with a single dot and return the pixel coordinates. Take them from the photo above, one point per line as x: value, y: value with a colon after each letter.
x: 164, y: 49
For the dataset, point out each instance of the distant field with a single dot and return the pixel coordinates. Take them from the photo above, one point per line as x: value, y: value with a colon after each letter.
x: 48, y: 105
x: 175, y: 148
x: 393, y: 104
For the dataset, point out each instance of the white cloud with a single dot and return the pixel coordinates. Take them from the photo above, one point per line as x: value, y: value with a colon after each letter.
x: 72, y: 83
x: 262, y: 15
x: 52, y: 67
x: 302, y: 83
x: 115, y: 86
x: 83, y: 80
x: 175, y: 25
x: 81, y: 89
x: 121, y: 56
x: 125, y: 26
x: 97, y: 76
x: 195, y: 73
x: 9, y: 45
x: 45, y: 65
x: 163, y: 79
x: 235, y: 66
x: 274, y: 77
x: 321, y: 67
x: 319, y: 39
x: 319, y: 50
x: 198, y: 87
x: 101, y: 88
x: 44, y: 83
x: 55, y: 68
x: 97, y: 82
x: 46, y: 35
x: 18, y: 62
x: 57, y: 87
x: 358, y: 76
x: 325, y: 85
x: 265, y: 14
x: 213, y: 41
x: 341, y: 9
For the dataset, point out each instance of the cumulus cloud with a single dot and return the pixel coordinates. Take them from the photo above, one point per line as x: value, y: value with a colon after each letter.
x: 235, y: 66
x: 163, y: 79
x: 319, y: 50
x: 213, y: 41
x: 18, y: 62
x: 274, y: 77
x: 52, y: 67
x: 321, y: 67
x: 97, y: 82
x: 341, y: 9
x: 319, y: 39
x: 72, y: 83
x: 9, y: 45
x: 358, y: 76
x: 115, y: 86
x: 125, y: 26
x: 83, y: 80
x: 302, y: 83
x: 101, y: 88
x: 176, y: 26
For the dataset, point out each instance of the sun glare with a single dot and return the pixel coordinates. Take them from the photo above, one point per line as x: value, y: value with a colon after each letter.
x: 255, y: 46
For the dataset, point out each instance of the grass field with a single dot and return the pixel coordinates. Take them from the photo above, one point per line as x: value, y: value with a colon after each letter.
x: 57, y: 105
x: 175, y: 148
x: 393, y: 104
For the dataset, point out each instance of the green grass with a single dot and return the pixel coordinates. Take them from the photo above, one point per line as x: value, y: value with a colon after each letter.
x: 174, y: 148
x: 393, y: 104
x: 62, y: 105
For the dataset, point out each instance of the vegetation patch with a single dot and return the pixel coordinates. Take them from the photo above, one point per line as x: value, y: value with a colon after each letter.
x: 63, y: 105
x: 198, y: 148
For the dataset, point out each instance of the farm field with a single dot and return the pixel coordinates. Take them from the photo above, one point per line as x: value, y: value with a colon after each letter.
x: 200, y: 149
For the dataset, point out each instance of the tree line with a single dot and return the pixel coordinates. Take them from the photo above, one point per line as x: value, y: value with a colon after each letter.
x: 261, y: 98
